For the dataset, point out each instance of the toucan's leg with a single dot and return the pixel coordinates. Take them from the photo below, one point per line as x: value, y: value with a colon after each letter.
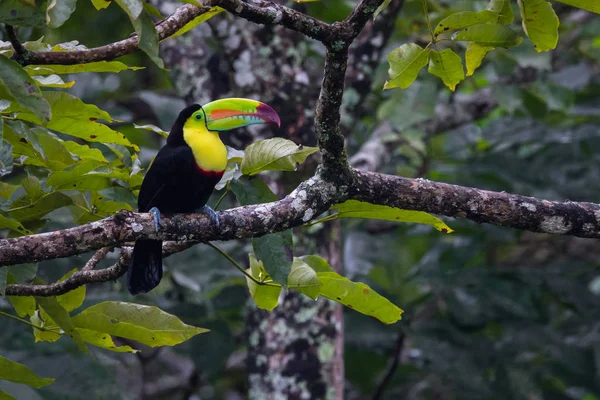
x: 211, y: 214
x: 156, y: 214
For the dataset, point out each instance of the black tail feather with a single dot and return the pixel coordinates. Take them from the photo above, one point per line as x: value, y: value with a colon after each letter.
x: 145, y: 270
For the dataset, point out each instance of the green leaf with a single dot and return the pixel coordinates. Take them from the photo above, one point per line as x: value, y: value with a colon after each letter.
x: 76, y: 118
x: 23, y: 212
x: 198, y: 20
x: 32, y: 187
x: 100, y: 4
x: 355, y: 295
x: 359, y: 209
x: 405, y: 63
x: 153, y: 128
x: 304, y: 279
x: 23, y: 89
x: 51, y: 332
x: 59, y: 11
x: 474, y: 55
x: 6, y: 189
x: 590, y: 5
x: 84, y: 152
x: 150, y: 9
x: 540, y: 23
x: 61, y: 317
x: 146, y: 324
x: 133, y: 8
x: 359, y: 297
x: 98, y: 66
x: 14, y: 225
x: 252, y: 191
x: 73, y: 299
x: 54, y: 81
x: 464, y: 19
x: 266, y: 297
x: 276, y: 154
x: 16, y: 372
x: 16, y: 12
x: 53, y: 148
x: 446, y: 65
x: 6, y: 158
x: 103, y: 340
x: 381, y: 7
x: 147, y: 37
x: 503, y: 10
x: 23, y: 305
x: 6, y: 396
x: 275, y: 251
x: 490, y: 35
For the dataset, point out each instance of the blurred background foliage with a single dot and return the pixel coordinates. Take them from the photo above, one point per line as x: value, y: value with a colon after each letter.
x: 490, y: 313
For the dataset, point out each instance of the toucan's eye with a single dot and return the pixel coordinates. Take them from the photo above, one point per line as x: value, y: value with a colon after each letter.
x: 198, y: 117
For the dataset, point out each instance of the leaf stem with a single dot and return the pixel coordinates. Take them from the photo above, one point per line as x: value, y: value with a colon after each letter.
x: 222, y: 196
x: 426, y: 11
x: 238, y: 266
x: 23, y: 321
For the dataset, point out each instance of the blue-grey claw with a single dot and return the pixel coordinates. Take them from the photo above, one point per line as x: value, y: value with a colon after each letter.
x: 156, y: 214
x: 212, y: 215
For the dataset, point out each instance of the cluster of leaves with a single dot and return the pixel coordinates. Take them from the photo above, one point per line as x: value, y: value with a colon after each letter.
x: 482, y: 31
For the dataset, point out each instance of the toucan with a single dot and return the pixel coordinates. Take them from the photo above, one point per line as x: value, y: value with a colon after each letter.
x: 184, y: 173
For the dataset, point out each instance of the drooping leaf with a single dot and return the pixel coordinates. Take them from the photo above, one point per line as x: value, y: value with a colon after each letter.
x: 276, y: 154
x: 19, y: 373
x: 23, y: 212
x: 23, y: 89
x: 474, y: 55
x: 464, y: 19
x: 133, y: 8
x: 61, y: 317
x: 275, y: 251
x: 355, y: 295
x: 153, y: 128
x: 304, y: 279
x: 147, y: 37
x: 76, y: 118
x: 58, y: 11
x: 590, y: 5
x: 540, y: 23
x: 150, y: 9
x: 103, y: 340
x: 54, y: 81
x: 252, y: 191
x: 198, y: 20
x: 447, y: 65
x: 9, y: 223
x: 74, y: 298
x: 360, y: 209
x: 97, y: 66
x: 266, y: 297
x: 503, y: 11
x: 493, y: 35
x: 405, y: 63
x: 146, y: 324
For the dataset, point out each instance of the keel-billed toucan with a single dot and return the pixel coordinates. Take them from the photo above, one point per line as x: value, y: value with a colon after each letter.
x: 185, y: 172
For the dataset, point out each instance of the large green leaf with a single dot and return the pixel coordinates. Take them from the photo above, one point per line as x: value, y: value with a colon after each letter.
x: 447, y: 65
x: 61, y: 317
x: 266, y: 297
x: 304, y: 279
x: 490, y: 35
x: 355, y: 295
x: 147, y: 37
x: 74, y: 298
x: 76, y: 118
x: 276, y: 154
x: 405, y: 63
x: 198, y: 20
x: 360, y: 209
x: 59, y: 11
x: 19, y: 373
x: 540, y: 23
x: 6, y: 189
x: 17, y: 12
x: 50, y: 332
x: 252, y: 191
x: 133, y: 8
x: 474, y: 55
x: 9, y: 223
x: 22, y: 210
x: 464, y: 19
x: 103, y: 340
x: 590, y: 5
x: 23, y: 89
x: 146, y: 324
x: 84, y: 152
x: 98, y: 66
x: 503, y: 11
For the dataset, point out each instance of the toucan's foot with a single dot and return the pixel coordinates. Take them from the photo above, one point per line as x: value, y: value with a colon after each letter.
x: 156, y: 214
x: 211, y: 214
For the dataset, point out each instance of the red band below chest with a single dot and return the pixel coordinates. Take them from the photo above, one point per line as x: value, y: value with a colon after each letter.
x: 209, y: 174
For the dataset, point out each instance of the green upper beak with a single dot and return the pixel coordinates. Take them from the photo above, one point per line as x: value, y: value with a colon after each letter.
x: 226, y: 114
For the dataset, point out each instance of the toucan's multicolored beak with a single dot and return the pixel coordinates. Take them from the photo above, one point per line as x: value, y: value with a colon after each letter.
x: 226, y: 114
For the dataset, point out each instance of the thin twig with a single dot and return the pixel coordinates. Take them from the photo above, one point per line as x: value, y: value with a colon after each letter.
x: 96, y: 258
x: 393, y: 365
x: 21, y: 52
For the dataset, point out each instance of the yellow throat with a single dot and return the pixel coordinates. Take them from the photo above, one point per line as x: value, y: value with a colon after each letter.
x: 209, y: 151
